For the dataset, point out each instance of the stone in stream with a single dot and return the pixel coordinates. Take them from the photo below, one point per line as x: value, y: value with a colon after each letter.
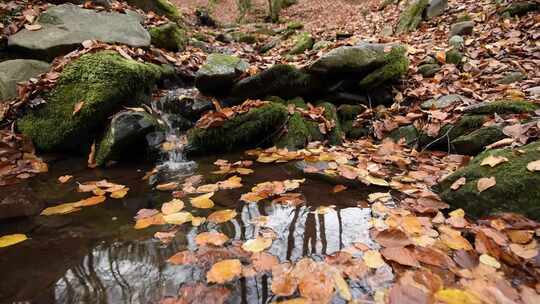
x: 125, y: 137
x: 462, y: 28
x: 19, y: 201
x: 516, y: 188
x: 218, y: 74
x: 302, y: 42
x: 435, y: 8
x: 411, y: 16
x: 15, y: 71
x: 65, y: 27
x: 169, y: 36
x: 100, y: 84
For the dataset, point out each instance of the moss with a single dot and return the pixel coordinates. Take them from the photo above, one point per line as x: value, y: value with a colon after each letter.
x: 169, y: 36
x: 411, y: 16
x: 302, y: 42
x: 336, y: 135
x: 408, y: 133
x: 244, y: 37
x: 349, y: 112
x: 516, y: 188
x: 160, y: 7
x: 352, y: 131
x: 503, y: 107
x: 250, y: 129
x: 454, y: 56
x: 474, y: 142
x: 104, y: 81
x: 396, y: 65
x: 449, y: 132
x: 295, y: 25
x: 296, y: 134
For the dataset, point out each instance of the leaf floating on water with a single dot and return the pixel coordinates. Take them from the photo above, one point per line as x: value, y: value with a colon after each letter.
x: 203, y: 201
x: 485, y: 183
x: 165, y: 237
x: 178, y: 218
x: 267, y: 158
x: 379, y: 196
x: 60, y: 209
x: 224, y: 271
x: 91, y: 201
x: 156, y: 219
x: 257, y: 245
x: 458, y: 183
x: 172, y: 206
x: 212, y: 238
x: 119, y: 193
x: 65, y: 178
x: 339, y: 188
x: 493, y: 161
x: 167, y: 187
x: 232, y: 182
x: 534, y: 166
x: 198, y: 220
x: 373, y: 259
x: 222, y: 216
x: 12, y: 239
x: 456, y: 296
x: 325, y: 209
x: 210, y: 188
x: 186, y: 257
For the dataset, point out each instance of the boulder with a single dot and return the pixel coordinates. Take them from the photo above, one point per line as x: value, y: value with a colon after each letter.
x: 395, y: 64
x: 454, y: 56
x: 295, y: 25
x: 443, y: 101
x: 65, y: 27
x: 302, y: 42
x: 462, y: 28
x: 15, y: 71
x: 186, y: 102
x: 435, y: 8
x: 457, y: 42
x: 408, y: 133
x: 126, y: 137
x: 218, y: 74
x: 502, y: 107
x: 248, y: 130
x: 103, y: 82
x: 281, y: 80
x: 18, y: 201
x: 475, y: 141
x: 321, y: 45
x: 411, y: 16
x: 516, y: 188
x: 520, y: 8
x: 511, y: 77
x: 160, y: 7
x: 534, y: 91
x: 296, y: 134
x: 358, y: 59
x: 169, y: 36
x: 429, y: 70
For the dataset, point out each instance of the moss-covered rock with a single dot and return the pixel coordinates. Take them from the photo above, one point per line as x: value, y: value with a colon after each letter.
x: 443, y: 101
x: 449, y: 132
x: 475, y: 141
x: 408, y: 133
x: 296, y: 134
x: 351, y: 131
x: 160, y: 7
x: 411, y: 16
x: 396, y: 64
x: 295, y: 25
x: 244, y: 37
x: 502, y: 107
x: 125, y: 137
x: 461, y: 28
x: 512, y: 77
x: 336, y: 135
x: 219, y: 73
x: 104, y: 81
x: 349, y: 112
x: 302, y: 42
x: 248, y: 130
x: 169, y: 36
x: 454, y: 56
x: 281, y: 80
x: 429, y: 70
x: 356, y: 60
x: 520, y: 8
x: 516, y: 188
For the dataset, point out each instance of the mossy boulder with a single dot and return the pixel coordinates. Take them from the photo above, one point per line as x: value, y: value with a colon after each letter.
x: 104, y: 81
x: 160, y: 7
x: 349, y: 112
x: 475, y: 141
x: 295, y: 135
x: 126, y: 137
x: 520, y: 8
x: 347, y: 116
x: 461, y: 28
x: 247, y: 130
x: 516, y: 188
x: 502, y: 107
x: 302, y: 42
x: 411, y: 16
x: 169, y: 36
x: 512, y: 77
x: 295, y: 25
x: 356, y: 60
x: 218, y: 74
x: 281, y: 80
x: 457, y: 42
x: 243, y: 37
x: 443, y: 101
x: 336, y: 135
x: 408, y: 133
x: 396, y: 64
x: 454, y: 56
x: 449, y: 132
x: 435, y: 8
x: 429, y: 70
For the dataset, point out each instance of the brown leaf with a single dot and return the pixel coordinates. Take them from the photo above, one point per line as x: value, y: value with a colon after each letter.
x: 212, y: 238
x: 400, y: 255
x: 458, y: 183
x: 485, y: 183
x: 392, y: 238
x: 224, y: 271
x: 493, y: 161
x: 534, y: 166
x: 77, y: 107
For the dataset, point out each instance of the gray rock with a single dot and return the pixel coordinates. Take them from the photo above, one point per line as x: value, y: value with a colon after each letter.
x: 18, y: 201
x: 435, y: 8
x: 350, y: 59
x: 64, y: 27
x: 534, y: 91
x: 456, y: 42
x: 443, y: 102
x: 462, y: 28
x: 187, y: 102
x: 429, y: 70
x: 511, y: 77
x: 18, y: 70
x: 219, y: 73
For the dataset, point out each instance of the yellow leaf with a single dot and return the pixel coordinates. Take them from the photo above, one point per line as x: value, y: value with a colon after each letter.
x: 178, y: 218
x: 257, y: 245
x: 373, y: 259
x: 119, y: 193
x: 457, y: 213
x: 493, y: 161
x: 146, y: 222
x: 456, y: 296
x: 197, y: 221
x: 294, y: 301
x: 91, y: 201
x: 203, y: 201
x: 12, y: 239
x: 224, y: 271
x: 172, y: 206
x: 244, y: 171
x: 490, y: 261
x: 213, y: 238
x: 534, y: 166
x: 267, y: 158
x: 485, y: 183
x: 60, y: 209
x: 77, y: 108
x: 208, y: 188
x: 375, y: 181
x: 232, y: 182
x: 167, y: 187
x: 65, y: 178
x: 382, y: 196
x: 341, y: 286
x: 222, y: 216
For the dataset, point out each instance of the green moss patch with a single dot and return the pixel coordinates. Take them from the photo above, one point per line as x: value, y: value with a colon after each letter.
x: 396, y: 64
x: 411, y: 16
x: 503, y: 107
x: 169, y: 36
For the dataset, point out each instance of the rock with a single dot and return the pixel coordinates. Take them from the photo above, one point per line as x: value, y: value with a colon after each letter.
x: 105, y: 82
x: 160, y: 7
x: 336, y: 135
x: 187, y: 102
x: 443, y: 102
x: 126, y: 137
x: 247, y: 130
x: 429, y: 70
x: 449, y: 132
x: 462, y: 28
x: 349, y: 112
x: 242, y: 37
x: 169, y: 36
x: 502, y: 107
x: 17, y: 201
x: 204, y: 18
x: 302, y: 42
x: 295, y: 25
x: 65, y: 27
x: 411, y: 16
x: 320, y: 45
x: 284, y: 81
x: 475, y: 142
x: 396, y: 64
x: 435, y: 8
x: 516, y: 188
x: 270, y: 45
x: 15, y: 71
x: 224, y: 37
x: 296, y: 135
x: 534, y: 91
x: 454, y: 56
x: 408, y: 133
x: 358, y: 59
x: 511, y: 77
x: 457, y: 42
x: 520, y: 8
x: 219, y: 73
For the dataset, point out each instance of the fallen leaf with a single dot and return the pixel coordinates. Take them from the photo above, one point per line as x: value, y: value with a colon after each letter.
x: 167, y: 187
x: 339, y: 188
x: 77, y: 107
x: 119, y: 193
x: 400, y: 255
x: 60, y: 209
x: 33, y: 27
x: 458, y: 183
x: 534, y: 166
x: 178, y: 218
x: 456, y: 296
x: 12, y: 239
x: 257, y: 245
x: 65, y: 178
x: 203, y: 201
x: 485, y: 183
x: 172, y: 206
x: 224, y: 271
x: 91, y: 201
x: 341, y: 286
x: 373, y: 259
x: 524, y: 251
x: 156, y: 219
x: 493, y: 161
x: 486, y: 259
x: 212, y: 238
x: 197, y: 221
x: 222, y: 216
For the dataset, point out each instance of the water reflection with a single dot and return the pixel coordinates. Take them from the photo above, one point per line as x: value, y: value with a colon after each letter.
x: 137, y: 272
